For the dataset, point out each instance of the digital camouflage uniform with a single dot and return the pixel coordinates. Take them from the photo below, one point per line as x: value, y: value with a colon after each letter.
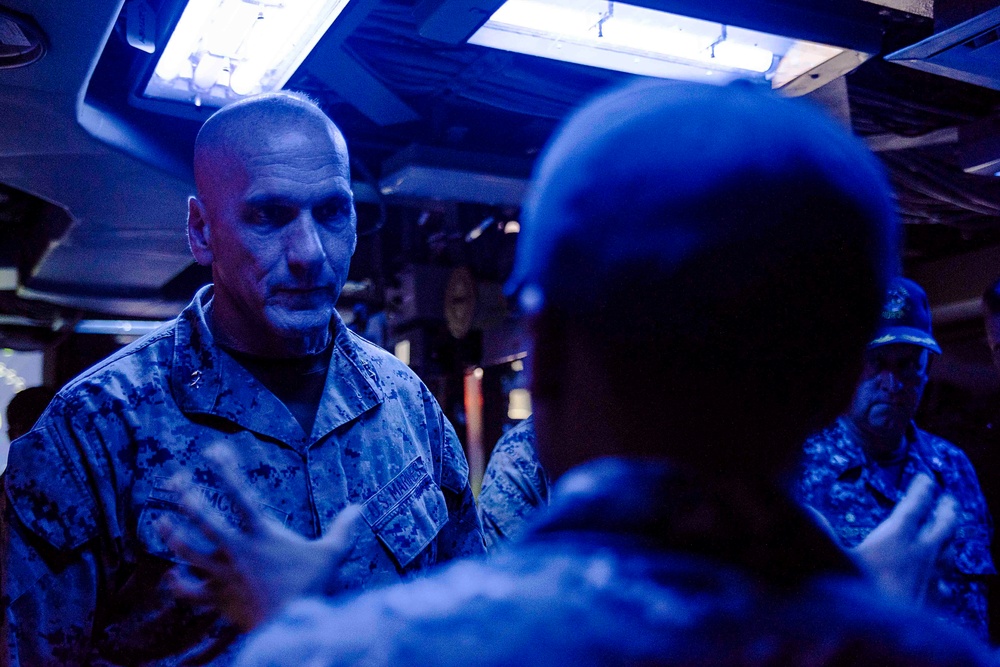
x: 86, y: 486
x: 841, y: 483
x: 616, y: 573
x: 515, y: 485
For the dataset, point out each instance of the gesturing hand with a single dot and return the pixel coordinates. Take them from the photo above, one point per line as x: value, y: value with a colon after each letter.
x: 248, y: 573
x: 900, y: 553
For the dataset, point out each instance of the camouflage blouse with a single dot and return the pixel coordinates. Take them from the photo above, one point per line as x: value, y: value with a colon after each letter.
x: 839, y: 481
x: 86, y: 564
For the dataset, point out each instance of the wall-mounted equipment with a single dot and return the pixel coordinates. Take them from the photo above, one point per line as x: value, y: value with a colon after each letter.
x: 21, y: 40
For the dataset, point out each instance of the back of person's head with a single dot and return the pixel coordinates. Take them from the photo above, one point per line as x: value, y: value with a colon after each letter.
x: 723, y: 251
x: 25, y: 409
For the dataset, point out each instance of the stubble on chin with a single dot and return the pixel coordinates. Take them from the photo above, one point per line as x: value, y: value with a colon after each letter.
x: 300, y: 339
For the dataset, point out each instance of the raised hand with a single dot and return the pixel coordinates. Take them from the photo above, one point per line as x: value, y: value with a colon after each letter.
x: 251, y: 571
x: 901, y: 552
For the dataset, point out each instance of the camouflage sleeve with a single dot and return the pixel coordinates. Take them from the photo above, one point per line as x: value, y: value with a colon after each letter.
x: 506, y: 499
x: 804, y: 485
x: 976, y: 503
x: 971, y: 549
x: 51, y: 572
x: 515, y: 486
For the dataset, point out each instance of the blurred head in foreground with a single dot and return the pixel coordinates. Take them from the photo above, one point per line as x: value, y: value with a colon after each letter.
x: 704, y: 267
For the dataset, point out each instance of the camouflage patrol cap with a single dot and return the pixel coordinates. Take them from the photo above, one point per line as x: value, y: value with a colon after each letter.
x: 905, y: 317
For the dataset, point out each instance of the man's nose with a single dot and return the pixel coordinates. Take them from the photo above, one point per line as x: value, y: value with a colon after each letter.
x: 890, y: 380
x: 304, y: 248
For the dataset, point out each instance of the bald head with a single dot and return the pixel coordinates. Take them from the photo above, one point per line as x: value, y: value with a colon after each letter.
x: 249, y: 126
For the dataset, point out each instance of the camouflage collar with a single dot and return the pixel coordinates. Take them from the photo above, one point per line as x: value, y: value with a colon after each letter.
x: 204, y: 380
x: 926, y: 452
x: 848, y: 452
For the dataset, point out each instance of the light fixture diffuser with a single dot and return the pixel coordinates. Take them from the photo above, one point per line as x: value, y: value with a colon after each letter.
x: 518, y: 404
x: 627, y: 38
x: 222, y: 50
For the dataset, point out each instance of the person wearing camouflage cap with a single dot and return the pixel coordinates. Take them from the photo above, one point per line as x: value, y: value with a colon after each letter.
x: 855, y: 471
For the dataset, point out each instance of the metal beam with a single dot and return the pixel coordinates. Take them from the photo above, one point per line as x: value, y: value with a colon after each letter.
x: 894, y: 142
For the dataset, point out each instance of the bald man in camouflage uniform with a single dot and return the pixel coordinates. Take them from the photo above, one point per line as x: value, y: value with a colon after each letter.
x: 318, y: 418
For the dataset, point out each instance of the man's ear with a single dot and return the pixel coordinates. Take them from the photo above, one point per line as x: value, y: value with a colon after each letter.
x: 199, y: 232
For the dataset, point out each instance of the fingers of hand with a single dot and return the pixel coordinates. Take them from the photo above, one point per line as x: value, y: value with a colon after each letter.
x: 914, y: 510
x: 942, y: 524
x: 186, y: 586
x: 196, y: 550
x: 166, y: 528
x: 213, y: 529
x: 191, y: 503
x: 343, y: 532
x: 822, y: 521
x: 243, y: 500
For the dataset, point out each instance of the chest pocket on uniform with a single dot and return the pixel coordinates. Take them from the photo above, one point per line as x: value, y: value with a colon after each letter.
x: 407, y: 513
x: 164, y: 503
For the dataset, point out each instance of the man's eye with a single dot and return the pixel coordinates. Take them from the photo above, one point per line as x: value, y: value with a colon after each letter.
x: 274, y: 213
x: 332, y: 210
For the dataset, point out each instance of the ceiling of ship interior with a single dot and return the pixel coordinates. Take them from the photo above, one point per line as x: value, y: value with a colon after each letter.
x: 89, y: 227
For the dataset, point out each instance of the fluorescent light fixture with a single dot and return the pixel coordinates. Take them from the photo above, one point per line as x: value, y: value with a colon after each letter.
x: 222, y: 50
x: 117, y: 327
x: 416, y: 180
x: 518, y: 404
x: 8, y: 278
x: 402, y: 351
x: 478, y: 230
x: 622, y: 37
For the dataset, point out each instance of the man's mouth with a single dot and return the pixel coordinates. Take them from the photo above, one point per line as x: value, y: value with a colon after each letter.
x: 302, y: 297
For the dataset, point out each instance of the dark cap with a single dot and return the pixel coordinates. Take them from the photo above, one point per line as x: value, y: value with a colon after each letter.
x: 662, y: 172
x: 906, y: 317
